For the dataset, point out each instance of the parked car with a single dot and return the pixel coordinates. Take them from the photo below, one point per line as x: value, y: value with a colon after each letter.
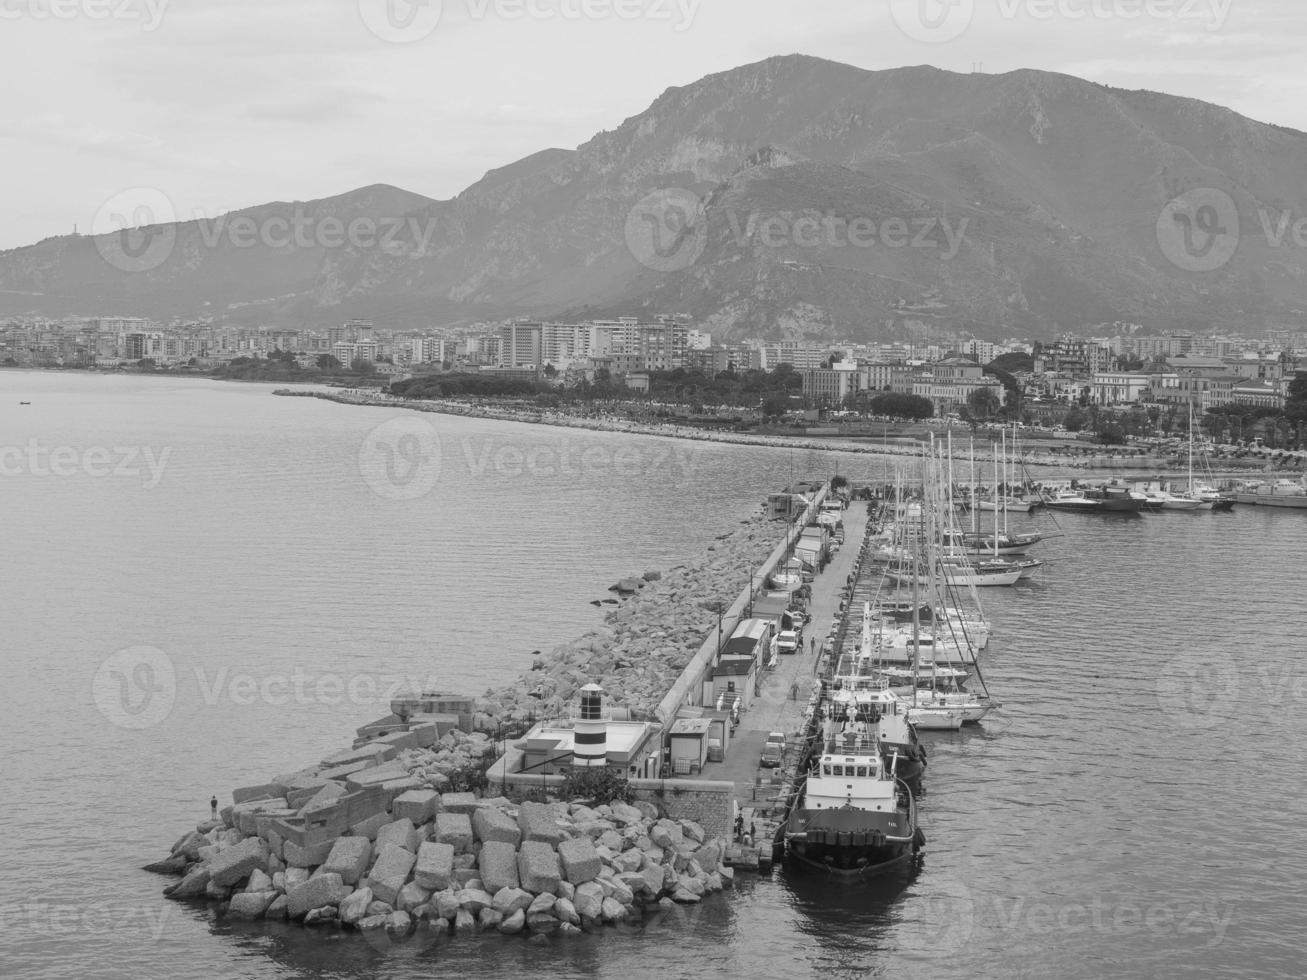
x: 787, y: 641
x: 773, y: 750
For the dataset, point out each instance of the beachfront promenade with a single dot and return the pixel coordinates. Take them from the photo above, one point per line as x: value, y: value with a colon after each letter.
x: 760, y: 792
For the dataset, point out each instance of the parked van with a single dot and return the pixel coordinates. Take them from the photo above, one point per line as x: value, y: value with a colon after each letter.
x: 773, y: 750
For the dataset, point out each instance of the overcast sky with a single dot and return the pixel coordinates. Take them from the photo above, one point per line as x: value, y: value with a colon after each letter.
x: 223, y: 104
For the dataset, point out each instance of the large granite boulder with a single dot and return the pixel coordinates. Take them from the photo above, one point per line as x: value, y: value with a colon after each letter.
x: 368, y: 826
x: 349, y: 857
x: 355, y: 908
x: 318, y: 892
x: 464, y: 803
x: 566, y: 912
x: 589, y: 900
x: 498, y: 865
x: 629, y: 861
x: 260, y: 882
x: 236, y: 862
x: 417, y: 805
x: 401, y: 833
x: 541, y: 822
x: 514, y: 923
x: 474, y: 900
x: 454, y: 829
x: 309, y: 856
x: 435, y: 865
x: 411, y: 896
x: 390, y: 872
x: 510, y: 900
x: 250, y: 905
x: 709, y: 855
x: 308, y: 800
x: 580, y: 860
x: 538, y: 867
x: 490, y: 824
x: 624, y: 814
x: 191, y: 886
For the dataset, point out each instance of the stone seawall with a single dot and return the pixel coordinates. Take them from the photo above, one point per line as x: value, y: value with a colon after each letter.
x: 367, y: 839
x: 649, y: 639
x: 708, y: 803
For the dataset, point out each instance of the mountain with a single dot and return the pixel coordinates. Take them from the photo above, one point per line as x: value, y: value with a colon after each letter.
x: 794, y: 198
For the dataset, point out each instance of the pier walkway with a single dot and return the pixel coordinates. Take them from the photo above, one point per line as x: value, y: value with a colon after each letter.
x: 761, y: 792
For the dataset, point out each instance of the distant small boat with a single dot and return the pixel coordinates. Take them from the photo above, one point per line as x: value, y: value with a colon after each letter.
x: 24, y: 403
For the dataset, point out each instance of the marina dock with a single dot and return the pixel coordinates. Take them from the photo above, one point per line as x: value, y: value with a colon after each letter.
x: 762, y: 794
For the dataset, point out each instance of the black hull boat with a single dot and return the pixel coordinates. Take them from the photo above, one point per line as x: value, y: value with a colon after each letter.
x: 851, y: 842
x: 852, y: 816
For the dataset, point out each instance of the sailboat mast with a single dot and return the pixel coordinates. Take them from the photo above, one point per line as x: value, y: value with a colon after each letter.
x: 994, y: 449
x: 975, y: 529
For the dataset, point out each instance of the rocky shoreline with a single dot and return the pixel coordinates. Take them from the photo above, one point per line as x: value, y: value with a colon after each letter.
x: 451, y: 863
x: 383, y: 839
x: 647, y: 640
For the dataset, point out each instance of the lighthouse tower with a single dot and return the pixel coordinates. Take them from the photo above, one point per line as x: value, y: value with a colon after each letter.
x: 590, y: 734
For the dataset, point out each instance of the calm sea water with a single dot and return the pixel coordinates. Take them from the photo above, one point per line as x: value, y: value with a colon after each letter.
x: 204, y: 585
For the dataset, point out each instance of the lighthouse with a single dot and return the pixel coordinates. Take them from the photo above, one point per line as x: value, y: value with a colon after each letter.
x: 590, y: 735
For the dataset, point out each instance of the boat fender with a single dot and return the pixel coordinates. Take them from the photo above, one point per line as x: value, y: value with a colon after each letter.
x: 918, y: 839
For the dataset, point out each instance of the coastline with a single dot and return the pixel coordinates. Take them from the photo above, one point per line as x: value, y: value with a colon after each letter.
x: 671, y: 431
x: 385, y: 840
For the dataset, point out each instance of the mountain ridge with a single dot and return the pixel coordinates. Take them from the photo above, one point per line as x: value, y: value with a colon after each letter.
x: 1059, y: 183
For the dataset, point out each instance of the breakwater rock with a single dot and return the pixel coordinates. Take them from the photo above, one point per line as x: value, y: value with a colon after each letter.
x: 433, y: 864
x: 646, y: 641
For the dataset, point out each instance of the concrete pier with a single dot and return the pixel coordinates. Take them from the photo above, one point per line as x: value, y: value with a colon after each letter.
x: 761, y: 793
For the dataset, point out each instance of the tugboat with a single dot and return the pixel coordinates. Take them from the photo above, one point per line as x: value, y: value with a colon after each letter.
x: 852, y: 817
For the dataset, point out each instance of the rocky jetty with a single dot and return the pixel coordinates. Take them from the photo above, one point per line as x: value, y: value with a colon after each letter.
x: 646, y: 642
x: 446, y: 863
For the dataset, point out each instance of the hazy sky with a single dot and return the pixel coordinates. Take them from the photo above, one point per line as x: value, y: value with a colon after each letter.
x: 222, y: 104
